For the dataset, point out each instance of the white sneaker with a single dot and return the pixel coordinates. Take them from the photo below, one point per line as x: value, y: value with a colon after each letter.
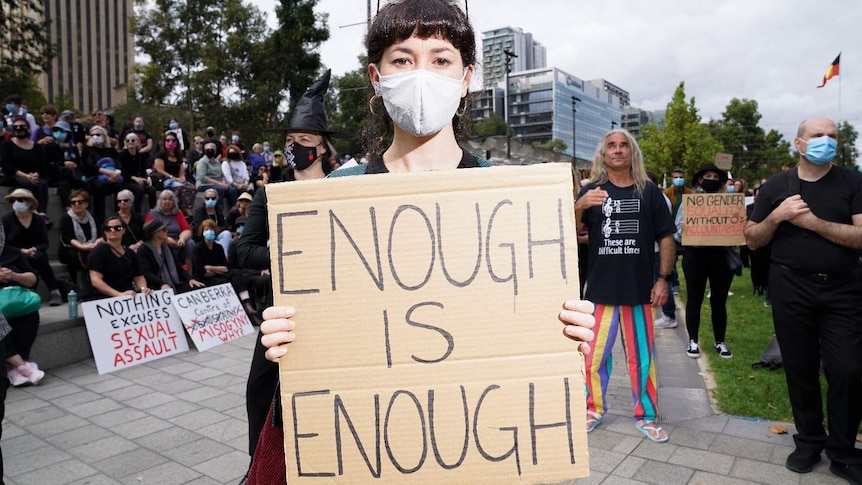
x: 693, y: 350
x: 664, y: 321
x: 722, y: 350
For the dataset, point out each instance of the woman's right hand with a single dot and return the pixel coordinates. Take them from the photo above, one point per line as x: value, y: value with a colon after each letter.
x: 277, y: 330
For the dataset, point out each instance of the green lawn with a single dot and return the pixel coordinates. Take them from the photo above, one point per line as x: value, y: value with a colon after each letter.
x: 740, y: 389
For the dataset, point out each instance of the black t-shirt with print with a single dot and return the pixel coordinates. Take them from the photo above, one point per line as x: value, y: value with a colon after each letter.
x: 622, y: 236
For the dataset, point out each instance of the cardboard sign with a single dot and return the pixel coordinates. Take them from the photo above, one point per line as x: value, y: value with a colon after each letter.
x: 724, y: 161
x: 713, y: 219
x: 212, y: 315
x: 429, y: 346
x: 129, y: 330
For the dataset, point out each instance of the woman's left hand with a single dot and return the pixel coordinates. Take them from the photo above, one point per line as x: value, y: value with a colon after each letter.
x: 579, y: 320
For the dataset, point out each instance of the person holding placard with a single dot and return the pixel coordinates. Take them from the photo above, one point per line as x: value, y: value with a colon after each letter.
x: 411, y: 44
x: 114, y: 269
x: 812, y: 217
x: 706, y: 263
x: 626, y: 215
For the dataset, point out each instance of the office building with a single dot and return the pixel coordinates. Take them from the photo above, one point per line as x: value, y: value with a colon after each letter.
x: 531, y: 54
x: 634, y: 119
x: 95, y: 52
x: 541, y: 108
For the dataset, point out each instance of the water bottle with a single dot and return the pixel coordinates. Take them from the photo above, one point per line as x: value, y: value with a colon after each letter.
x: 73, y: 304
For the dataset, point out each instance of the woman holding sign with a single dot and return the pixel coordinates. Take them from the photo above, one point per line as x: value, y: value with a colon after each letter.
x: 419, y: 51
x: 702, y: 263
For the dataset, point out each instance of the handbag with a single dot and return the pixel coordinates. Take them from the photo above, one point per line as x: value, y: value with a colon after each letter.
x: 733, y: 260
x: 16, y: 301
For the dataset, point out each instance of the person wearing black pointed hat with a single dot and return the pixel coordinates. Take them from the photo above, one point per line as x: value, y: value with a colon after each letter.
x: 307, y: 147
x: 706, y: 263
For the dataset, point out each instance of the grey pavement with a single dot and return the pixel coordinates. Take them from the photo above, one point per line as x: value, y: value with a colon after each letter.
x: 182, y: 420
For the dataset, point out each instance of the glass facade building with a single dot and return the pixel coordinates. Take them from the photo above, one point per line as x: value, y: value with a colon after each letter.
x: 540, y: 109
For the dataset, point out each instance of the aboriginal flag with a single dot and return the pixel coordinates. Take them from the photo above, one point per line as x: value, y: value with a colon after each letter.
x: 832, y: 71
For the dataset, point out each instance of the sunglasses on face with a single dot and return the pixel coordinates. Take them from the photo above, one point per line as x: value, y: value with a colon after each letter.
x: 211, y: 198
x: 77, y: 202
x: 123, y: 201
x: 114, y: 228
x: 131, y: 140
x: 19, y: 127
x: 20, y: 200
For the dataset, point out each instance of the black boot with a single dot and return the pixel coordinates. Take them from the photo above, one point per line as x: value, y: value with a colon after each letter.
x: 253, y: 315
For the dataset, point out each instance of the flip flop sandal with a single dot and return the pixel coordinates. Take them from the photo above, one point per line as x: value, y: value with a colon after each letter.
x: 593, y: 422
x: 648, y: 429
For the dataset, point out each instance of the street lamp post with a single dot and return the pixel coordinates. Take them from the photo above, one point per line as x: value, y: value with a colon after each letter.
x: 575, y: 101
x: 613, y: 125
x: 509, y: 55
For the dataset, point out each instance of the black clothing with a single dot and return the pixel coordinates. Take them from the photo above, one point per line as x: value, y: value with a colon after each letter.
x: 835, y: 198
x: 200, y: 215
x: 136, y: 166
x: 65, y: 178
x: 700, y: 264
x: 203, y: 256
x: 622, y: 236
x: 816, y: 316
x: 73, y: 259
x: 14, y: 159
x: 134, y: 229
x: 231, y: 218
x: 118, y: 272
x: 36, y: 236
x: 24, y: 328
x: 151, y: 264
x: 99, y: 188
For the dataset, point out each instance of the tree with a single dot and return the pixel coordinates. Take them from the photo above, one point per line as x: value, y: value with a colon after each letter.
x: 847, y: 151
x: 682, y: 140
x: 493, y: 125
x: 756, y: 154
x: 26, y: 50
x: 555, y: 145
x: 347, y: 106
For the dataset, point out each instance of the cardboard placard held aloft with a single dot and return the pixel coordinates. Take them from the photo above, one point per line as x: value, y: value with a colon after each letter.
x: 713, y: 219
x: 429, y: 347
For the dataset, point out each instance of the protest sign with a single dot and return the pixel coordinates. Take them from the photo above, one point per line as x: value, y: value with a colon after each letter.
x: 429, y: 346
x: 212, y: 315
x: 129, y: 330
x: 713, y: 219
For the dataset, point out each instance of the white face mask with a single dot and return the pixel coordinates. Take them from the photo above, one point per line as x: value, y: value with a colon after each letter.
x: 19, y: 206
x: 420, y: 101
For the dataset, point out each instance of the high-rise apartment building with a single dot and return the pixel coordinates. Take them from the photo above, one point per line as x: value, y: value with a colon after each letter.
x: 531, y: 54
x: 549, y: 103
x: 95, y: 52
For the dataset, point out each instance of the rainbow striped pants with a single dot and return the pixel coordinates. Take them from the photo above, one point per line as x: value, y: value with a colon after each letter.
x: 636, y: 323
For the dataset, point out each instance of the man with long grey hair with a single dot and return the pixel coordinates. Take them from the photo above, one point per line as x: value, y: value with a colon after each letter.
x: 625, y: 215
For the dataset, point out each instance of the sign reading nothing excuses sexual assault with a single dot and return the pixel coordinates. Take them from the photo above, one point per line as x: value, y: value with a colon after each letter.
x: 429, y: 347
x: 130, y: 330
x: 713, y: 219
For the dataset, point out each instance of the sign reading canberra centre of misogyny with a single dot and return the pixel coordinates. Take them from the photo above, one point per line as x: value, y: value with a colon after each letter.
x: 212, y: 315
x: 429, y: 347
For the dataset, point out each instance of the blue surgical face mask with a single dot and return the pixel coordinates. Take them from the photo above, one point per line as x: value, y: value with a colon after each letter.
x: 173, y: 126
x: 59, y: 135
x: 210, y: 203
x: 10, y: 108
x: 731, y: 189
x: 266, y: 149
x: 209, y: 235
x: 234, y: 138
x: 678, y: 181
x: 239, y: 229
x: 820, y: 150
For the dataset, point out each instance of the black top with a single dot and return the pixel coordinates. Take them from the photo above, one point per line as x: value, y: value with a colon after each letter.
x: 200, y: 215
x: 836, y: 197
x: 151, y: 263
x: 117, y: 271
x: 134, y: 229
x: 19, y: 237
x: 622, y: 236
x: 15, y: 158
x: 92, y: 155
x: 252, y: 251
x: 203, y: 256
x: 67, y: 230
x: 133, y: 165
x: 14, y: 260
x: 376, y: 165
x: 172, y: 168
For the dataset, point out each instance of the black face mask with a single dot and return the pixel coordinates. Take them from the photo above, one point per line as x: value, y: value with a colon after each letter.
x: 22, y: 134
x: 210, y: 134
x: 210, y: 153
x: 711, y: 186
x: 300, y: 157
x: 233, y: 155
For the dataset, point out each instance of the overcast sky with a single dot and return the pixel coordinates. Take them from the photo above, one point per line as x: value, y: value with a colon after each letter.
x: 772, y: 51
